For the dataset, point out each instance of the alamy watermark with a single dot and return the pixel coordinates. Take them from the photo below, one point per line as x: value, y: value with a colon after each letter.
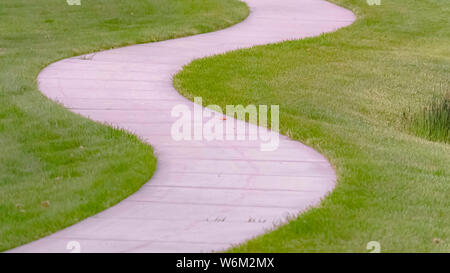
x: 373, y: 2
x: 74, y: 247
x: 74, y: 2
x: 211, y: 124
x: 373, y: 247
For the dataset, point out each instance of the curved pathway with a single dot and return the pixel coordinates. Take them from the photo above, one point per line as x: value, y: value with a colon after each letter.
x: 204, y: 196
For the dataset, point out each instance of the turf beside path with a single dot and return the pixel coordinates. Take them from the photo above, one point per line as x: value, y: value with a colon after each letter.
x: 344, y: 94
x: 57, y: 168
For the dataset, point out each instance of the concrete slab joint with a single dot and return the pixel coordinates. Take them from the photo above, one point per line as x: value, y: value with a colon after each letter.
x: 205, y: 195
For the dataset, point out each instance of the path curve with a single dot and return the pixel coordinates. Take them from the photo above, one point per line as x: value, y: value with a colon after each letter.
x: 204, y: 196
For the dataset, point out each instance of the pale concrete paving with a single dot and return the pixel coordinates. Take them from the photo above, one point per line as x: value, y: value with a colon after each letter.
x: 205, y: 196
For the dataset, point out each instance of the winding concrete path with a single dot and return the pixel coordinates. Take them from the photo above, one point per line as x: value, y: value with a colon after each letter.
x: 205, y: 196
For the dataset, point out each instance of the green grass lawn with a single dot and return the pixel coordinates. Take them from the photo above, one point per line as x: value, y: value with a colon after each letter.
x: 57, y: 168
x: 345, y: 94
